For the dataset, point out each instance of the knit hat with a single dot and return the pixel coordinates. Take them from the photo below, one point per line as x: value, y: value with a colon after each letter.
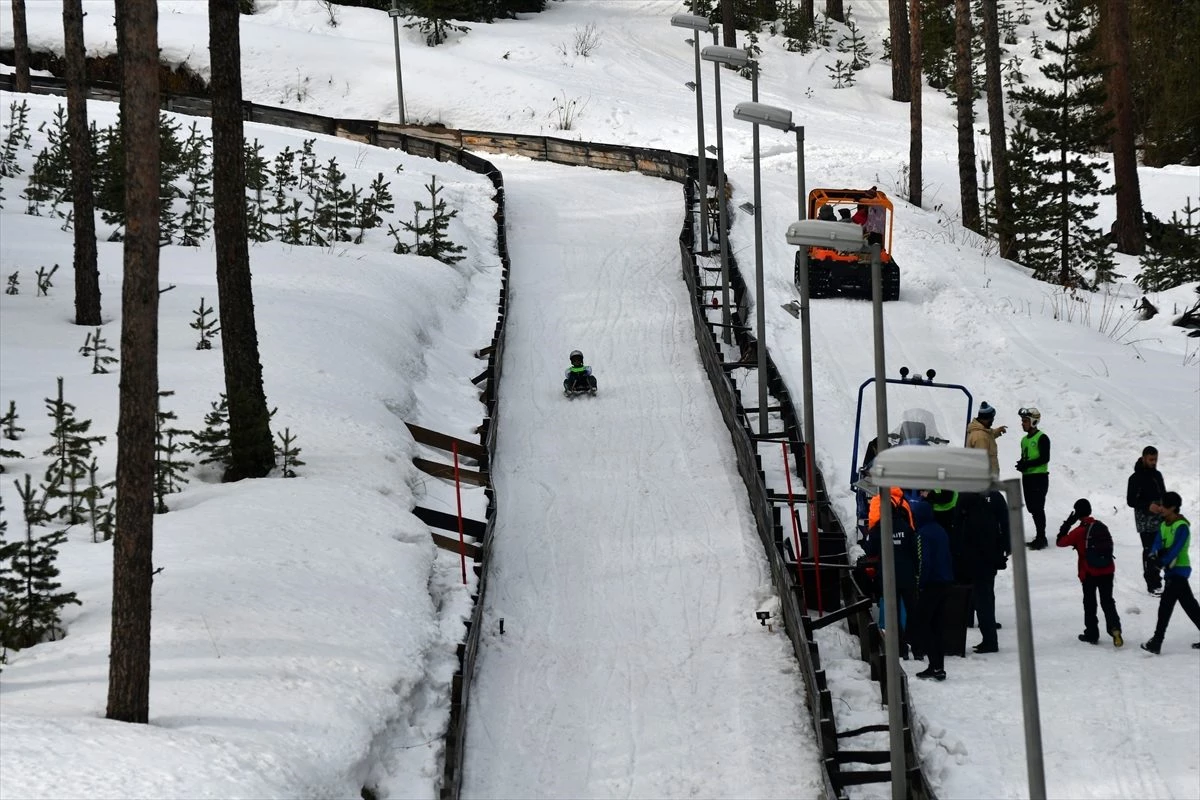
x: 986, y: 411
x: 1083, y: 508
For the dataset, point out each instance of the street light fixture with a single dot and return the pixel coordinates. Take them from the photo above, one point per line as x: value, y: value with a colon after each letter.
x: 697, y: 23
x: 395, y: 13
x: 781, y: 119
x: 963, y: 469
x: 806, y: 233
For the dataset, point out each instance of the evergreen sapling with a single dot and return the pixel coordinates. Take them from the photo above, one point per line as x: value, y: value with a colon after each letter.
x: 10, y: 431
x: 208, y: 328
x: 34, y: 611
x: 211, y: 444
x: 170, y: 471
x: 16, y: 139
x: 288, y: 453
x: 14, y: 283
x: 194, y: 222
x: 43, y: 280
x: 96, y: 347
x: 71, y: 452
x: 100, y: 514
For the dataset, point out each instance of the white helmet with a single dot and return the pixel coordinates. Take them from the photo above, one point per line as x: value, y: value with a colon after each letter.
x: 1032, y: 413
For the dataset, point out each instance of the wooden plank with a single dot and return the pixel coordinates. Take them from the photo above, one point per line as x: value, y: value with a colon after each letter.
x: 476, y: 478
x: 449, y: 522
x: 471, y: 549
x: 444, y: 441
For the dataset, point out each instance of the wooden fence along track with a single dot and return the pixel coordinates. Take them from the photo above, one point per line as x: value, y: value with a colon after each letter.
x: 839, y: 593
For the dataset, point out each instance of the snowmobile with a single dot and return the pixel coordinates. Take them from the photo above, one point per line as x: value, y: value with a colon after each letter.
x: 831, y: 273
x: 917, y: 426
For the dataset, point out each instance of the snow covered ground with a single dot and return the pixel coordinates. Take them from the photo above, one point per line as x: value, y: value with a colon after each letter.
x: 318, y: 661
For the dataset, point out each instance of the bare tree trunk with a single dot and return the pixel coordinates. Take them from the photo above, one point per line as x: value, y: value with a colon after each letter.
x: 133, y: 544
x: 728, y: 31
x: 1115, y: 33
x: 996, y: 132
x: 252, y: 451
x: 835, y: 10
x: 914, y: 106
x: 20, y: 47
x: 965, y: 100
x: 807, y: 11
x: 87, y: 276
x: 901, y: 57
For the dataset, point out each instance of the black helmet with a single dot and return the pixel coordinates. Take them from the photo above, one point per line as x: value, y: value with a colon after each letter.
x: 576, y: 354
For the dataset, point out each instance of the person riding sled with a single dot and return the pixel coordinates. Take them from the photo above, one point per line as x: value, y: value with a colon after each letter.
x: 579, y: 377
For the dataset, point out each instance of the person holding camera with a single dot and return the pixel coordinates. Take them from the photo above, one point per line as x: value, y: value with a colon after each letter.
x: 1170, y: 549
x: 1093, y: 542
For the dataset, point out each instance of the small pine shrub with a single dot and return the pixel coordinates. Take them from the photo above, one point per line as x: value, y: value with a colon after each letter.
x: 96, y: 348
x: 208, y: 328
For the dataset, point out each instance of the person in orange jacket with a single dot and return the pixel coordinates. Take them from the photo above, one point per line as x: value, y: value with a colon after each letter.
x: 907, y: 559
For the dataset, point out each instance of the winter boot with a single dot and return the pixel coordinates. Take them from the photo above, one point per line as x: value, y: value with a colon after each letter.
x: 1196, y: 645
x: 1152, y: 646
x: 1116, y: 636
x: 1083, y: 637
x: 929, y: 673
x: 1038, y: 543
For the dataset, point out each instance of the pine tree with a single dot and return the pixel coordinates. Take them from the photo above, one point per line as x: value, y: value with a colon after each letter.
x: 377, y: 202
x: 283, y: 181
x: 14, y: 283
x: 171, y: 169
x: 258, y: 180
x: 99, y: 513
x: 9, y: 584
x: 71, y: 452
x: 1069, y: 122
x: 437, y: 243
x: 208, y: 328
x: 96, y: 347
x: 194, y: 222
x: 288, y: 453
x: 212, y: 443
x: 1172, y: 255
x: 33, y: 612
x: 855, y: 44
x: 170, y: 471
x: 937, y: 39
x: 1029, y: 223
x: 43, y: 280
x: 16, y: 139
x: 108, y: 145
x: 333, y: 217
x: 11, y: 431
x: 433, y: 19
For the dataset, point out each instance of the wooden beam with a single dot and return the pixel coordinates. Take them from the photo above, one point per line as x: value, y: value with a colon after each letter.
x: 451, y: 543
x: 438, y: 470
x: 444, y: 441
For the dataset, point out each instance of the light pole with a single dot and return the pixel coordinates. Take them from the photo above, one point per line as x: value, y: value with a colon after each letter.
x: 843, y: 238
x: 781, y: 119
x: 697, y: 23
x: 394, y: 12
x: 891, y: 642
x: 963, y: 469
x: 734, y: 57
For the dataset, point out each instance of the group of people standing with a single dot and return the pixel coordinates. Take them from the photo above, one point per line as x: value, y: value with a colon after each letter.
x: 943, y: 538
x: 1163, y: 530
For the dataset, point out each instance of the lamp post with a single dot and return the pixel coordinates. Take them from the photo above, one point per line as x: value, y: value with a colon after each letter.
x: 697, y: 23
x: 394, y: 12
x: 781, y: 119
x: 891, y: 642
x: 843, y: 238
x: 734, y: 57
x: 965, y: 469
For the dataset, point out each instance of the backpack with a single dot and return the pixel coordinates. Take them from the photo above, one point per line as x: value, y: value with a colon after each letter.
x: 1098, y: 546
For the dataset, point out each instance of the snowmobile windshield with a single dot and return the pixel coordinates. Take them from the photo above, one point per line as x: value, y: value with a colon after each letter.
x: 917, y: 426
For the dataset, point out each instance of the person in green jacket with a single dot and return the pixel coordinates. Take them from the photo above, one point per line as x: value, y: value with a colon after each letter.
x: 1034, y: 467
x: 1171, y: 551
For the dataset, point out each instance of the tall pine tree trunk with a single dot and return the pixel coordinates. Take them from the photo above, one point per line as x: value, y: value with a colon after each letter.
x: 996, y: 132
x: 965, y: 103
x: 728, y: 30
x: 133, y: 544
x: 914, y: 106
x: 835, y: 10
x: 901, y: 69
x: 252, y: 451
x: 1115, y: 34
x: 20, y: 47
x: 87, y: 276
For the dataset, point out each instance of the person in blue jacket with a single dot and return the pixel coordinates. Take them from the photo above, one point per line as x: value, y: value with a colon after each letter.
x: 1170, y: 550
x: 933, y: 555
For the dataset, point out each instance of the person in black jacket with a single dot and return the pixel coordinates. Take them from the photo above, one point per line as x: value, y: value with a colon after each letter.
x: 907, y: 563
x: 985, y: 523
x: 1146, y: 488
